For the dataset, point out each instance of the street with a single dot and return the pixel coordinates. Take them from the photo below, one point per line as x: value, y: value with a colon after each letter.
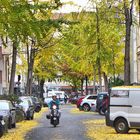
x: 70, y: 127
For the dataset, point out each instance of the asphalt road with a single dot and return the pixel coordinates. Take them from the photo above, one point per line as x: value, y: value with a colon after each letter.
x: 70, y: 127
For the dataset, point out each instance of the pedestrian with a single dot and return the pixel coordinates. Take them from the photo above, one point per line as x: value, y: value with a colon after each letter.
x: 65, y: 99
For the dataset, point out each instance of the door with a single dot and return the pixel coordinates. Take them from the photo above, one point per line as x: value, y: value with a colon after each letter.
x: 134, y: 111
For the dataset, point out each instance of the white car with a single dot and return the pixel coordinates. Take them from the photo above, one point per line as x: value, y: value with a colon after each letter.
x: 89, y: 103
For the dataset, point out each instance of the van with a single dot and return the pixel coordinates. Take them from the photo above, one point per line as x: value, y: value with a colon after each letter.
x: 124, y: 109
x: 60, y: 95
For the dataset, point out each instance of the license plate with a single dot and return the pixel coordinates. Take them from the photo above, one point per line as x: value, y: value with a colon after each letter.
x: 2, y: 122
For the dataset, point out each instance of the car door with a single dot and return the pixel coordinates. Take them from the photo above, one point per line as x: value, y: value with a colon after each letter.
x: 92, y: 99
x: 134, y: 109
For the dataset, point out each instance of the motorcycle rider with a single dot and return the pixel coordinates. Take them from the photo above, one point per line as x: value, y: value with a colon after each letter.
x: 54, y: 101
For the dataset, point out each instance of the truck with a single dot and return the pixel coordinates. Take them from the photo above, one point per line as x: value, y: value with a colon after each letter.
x: 123, y: 112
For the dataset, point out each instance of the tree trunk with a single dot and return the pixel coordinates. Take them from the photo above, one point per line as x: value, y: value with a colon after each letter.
x: 98, y: 47
x: 42, y: 88
x: 82, y: 82
x: 106, y: 82
x: 94, y: 80
x: 30, y: 59
x: 13, y: 68
x: 128, y: 23
x: 86, y: 78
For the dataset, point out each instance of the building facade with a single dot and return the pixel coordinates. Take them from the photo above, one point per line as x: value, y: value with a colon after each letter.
x: 4, y: 68
x: 138, y: 53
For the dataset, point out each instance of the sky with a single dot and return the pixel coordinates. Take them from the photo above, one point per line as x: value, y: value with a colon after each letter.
x: 78, y: 6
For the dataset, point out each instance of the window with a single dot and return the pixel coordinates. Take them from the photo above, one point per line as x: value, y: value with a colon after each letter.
x: 4, y: 106
x: 92, y: 97
x: 119, y: 93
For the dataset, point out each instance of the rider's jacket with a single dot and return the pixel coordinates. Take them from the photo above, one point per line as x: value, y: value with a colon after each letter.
x: 54, y: 102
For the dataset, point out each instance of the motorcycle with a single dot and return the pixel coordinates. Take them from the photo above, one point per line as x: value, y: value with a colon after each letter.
x: 54, y: 116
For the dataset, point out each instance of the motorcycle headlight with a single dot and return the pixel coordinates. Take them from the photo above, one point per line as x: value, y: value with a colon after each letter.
x: 54, y: 106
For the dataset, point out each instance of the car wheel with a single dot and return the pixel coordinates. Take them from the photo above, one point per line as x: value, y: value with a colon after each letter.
x: 121, y: 126
x: 86, y: 107
x: 28, y: 117
x: 14, y: 125
x: 10, y: 123
x: 101, y: 112
x: 38, y: 108
x: 32, y: 117
x: 1, y: 131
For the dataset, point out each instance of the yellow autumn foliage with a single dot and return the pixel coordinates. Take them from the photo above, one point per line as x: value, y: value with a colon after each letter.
x: 77, y: 111
x: 23, y: 127
x: 97, y: 130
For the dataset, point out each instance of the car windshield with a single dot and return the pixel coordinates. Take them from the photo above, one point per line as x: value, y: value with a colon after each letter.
x: 4, y: 106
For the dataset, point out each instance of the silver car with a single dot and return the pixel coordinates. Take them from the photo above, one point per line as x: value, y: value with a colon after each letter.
x: 8, y: 111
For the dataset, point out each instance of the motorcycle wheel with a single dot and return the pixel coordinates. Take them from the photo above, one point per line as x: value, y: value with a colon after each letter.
x: 55, y: 122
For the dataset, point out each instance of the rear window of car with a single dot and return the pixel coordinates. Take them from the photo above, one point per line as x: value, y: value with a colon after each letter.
x: 4, y: 106
x: 92, y: 97
x: 119, y: 93
x: 25, y: 103
x: 101, y: 96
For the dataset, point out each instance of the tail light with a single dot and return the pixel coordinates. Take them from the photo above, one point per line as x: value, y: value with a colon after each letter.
x: 92, y: 104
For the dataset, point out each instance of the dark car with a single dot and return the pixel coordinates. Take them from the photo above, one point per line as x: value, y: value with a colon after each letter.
x: 28, y: 108
x: 37, y: 103
x: 99, y: 102
x: 8, y: 111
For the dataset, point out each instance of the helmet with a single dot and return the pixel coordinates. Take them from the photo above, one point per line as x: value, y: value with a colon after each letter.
x: 54, y: 95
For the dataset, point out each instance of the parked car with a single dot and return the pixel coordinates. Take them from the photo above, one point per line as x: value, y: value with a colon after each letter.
x: 34, y: 102
x: 123, y: 112
x: 73, y: 100
x: 99, y: 102
x: 79, y: 102
x: 28, y: 108
x: 89, y: 103
x: 37, y: 104
x: 8, y: 111
x: 20, y: 115
x: 2, y: 126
